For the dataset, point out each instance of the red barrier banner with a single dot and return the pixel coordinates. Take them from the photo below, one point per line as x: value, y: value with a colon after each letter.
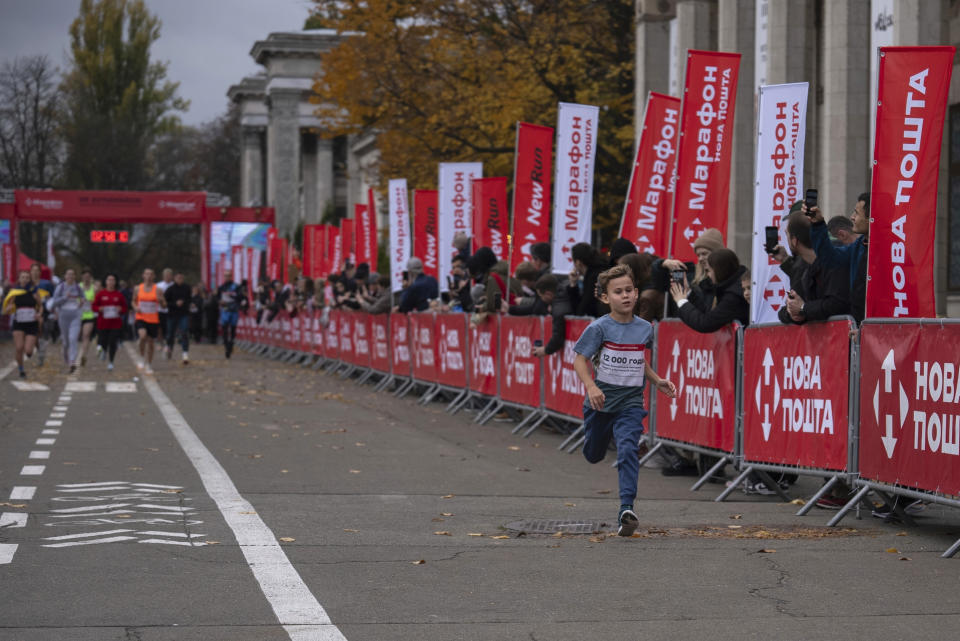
x: 531, y: 190
x: 451, y: 338
x: 346, y: 337
x: 332, y: 349
x: 425, y: 242
x: 113, y: 206
x: 796, y: 382
x: 319, y: 339
x: 909, y: 394
x: 400, y: 361
x: 306, y: 331
x: 286, y: 332
x: 520, y: 370
x: 361, y: 339
x: 380, y: 342
x: 704, y: 369
x: 489, y: 201
x: 483, y: 356
x: 706, y: 147
x: 563, y: 392
x: 646, y: 213
x: 422, y: 344
x: 913, y: 87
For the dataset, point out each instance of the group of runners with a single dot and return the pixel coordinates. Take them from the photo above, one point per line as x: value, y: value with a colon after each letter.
x: 83, y: 307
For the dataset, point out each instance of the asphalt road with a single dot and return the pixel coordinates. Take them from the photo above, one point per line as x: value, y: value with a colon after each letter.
x: 252, y: 500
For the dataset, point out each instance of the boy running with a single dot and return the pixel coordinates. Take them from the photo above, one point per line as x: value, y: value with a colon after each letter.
x: 613, y: 407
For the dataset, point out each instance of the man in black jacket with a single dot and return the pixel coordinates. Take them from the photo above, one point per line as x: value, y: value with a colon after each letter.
x: 178, y: 296
x: 817, y: 292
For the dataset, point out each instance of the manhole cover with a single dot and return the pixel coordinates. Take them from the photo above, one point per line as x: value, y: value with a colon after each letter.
x: 546, y: 526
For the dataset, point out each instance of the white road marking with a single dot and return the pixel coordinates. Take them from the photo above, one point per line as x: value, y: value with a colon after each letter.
x: 27, y: 386
x: 6, y: 370
x: 181, y: 535
x: 91, y: 484
x: 170, y: 508
x: 53, y: 424
x: 7, y: 550
x: 13, y: 519
x: 162, y: 487
x: 64, y: 399
x: 46, y: 441
x: 32, y: 470
x: 97, y: 489
x: 121, y: 387
x: 165, y: 542
x: 51, y: 432
x: 22, y: 493
x: 39, y: 454
x: 88, y: 515
x: 59, y: 408
x: 57, y: 414
x: 81, y: 386
x: 90, y: 508
x: 296, y: 608
x: 109, y: 539
x: 83, y: 535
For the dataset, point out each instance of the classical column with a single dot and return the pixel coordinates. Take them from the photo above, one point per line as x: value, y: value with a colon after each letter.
x: 735, y: 33
x: 251, y: 167
x: 283, y: 186
x: 323, y: 176
x: 652, y: 64
x: 695, y: 27
x: 844, y: 167
x: 308, y: 169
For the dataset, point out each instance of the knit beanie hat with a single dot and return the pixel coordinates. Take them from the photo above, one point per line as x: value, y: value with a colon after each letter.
x: 710, y: 239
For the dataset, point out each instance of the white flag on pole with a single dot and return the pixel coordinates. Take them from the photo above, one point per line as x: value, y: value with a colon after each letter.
x: 454, y: 209
x: 573, y: 187
x: 399, y: 231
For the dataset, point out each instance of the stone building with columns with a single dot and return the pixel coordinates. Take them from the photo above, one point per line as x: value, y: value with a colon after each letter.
x: 831, y: 44
x: 286, y: 161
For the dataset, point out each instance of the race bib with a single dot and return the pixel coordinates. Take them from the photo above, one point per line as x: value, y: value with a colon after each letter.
x: 227, y: 296
x: 110, y: 311
x: 149, y: 307
x: 621, y: 364
x: 71, y: 306
x: 193, y: 308
x: 25, y: 315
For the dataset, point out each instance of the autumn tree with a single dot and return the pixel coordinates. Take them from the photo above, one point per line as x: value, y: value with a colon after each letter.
x: 446, y: 80
x: 30, y: 145
x: 117, y: 99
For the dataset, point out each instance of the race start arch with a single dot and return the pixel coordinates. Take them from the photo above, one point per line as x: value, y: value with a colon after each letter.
x: 143, y: 207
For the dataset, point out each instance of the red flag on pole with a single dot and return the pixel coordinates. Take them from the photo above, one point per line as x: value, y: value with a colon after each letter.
x: 425, y: 241
x: 646, y: 212
x: 914, y: 85
x: 346, y: 240
x: 489, y: 201
x: 369, y: 232
x: 531, y: 191
x: 706, y: 148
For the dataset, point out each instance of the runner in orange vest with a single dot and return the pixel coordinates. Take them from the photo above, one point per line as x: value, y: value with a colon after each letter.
x: 147, y: 303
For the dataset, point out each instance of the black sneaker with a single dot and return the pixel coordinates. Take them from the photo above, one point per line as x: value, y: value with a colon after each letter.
x: 628, y: 523
x: 23, y: 373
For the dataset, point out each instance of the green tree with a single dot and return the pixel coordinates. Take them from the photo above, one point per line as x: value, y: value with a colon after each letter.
x: 29, y: 137
x: 117, y: 101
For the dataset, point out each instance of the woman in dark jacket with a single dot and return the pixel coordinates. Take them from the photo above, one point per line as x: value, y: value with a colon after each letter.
x: 719, y: 300
x: 588, y: 264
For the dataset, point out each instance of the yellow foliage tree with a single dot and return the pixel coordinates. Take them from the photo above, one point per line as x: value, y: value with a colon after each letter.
x: 447, y: 80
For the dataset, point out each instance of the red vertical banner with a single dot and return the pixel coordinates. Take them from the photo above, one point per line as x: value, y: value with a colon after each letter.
x: 309, y: 238
x: 489, y: 199
x: 369, y: 231
x: 531, y: 191
x: 271, y: 253
x: 425, y: 241
x: 646, y: 212
x: 253, y: 271
x: 913, y: 88
x: 347, y: 238
x: 706, y: 148
x: 286, y: 259
x: 333, y: 262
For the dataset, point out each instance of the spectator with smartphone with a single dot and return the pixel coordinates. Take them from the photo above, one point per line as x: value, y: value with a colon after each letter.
x: 817, y: 292
x: 841, y: 231
x: 718, y: 300
x: 852, y: 256
x: 422, y: 288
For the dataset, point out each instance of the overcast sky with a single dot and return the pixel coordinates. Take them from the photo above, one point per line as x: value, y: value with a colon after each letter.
x: 206, y: 42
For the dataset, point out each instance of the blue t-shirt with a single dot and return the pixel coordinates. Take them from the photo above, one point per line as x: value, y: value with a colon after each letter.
x: 618, y: 359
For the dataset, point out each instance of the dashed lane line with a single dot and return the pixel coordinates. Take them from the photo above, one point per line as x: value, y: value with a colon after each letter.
x: 22, y: 493
x: 298, y: 611
x: 32, y: 470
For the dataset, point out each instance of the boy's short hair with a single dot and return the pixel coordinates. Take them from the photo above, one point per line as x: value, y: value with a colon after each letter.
x: 617, y: 271
x: 547, y: 283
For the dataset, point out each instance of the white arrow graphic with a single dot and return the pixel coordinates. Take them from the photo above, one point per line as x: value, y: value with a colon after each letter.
x: 889, y: 441
x: 904, y: 405
x: 888, y: 366
x: 767, y: 364
x: 676, y: 354
x: 756, y: 395
x: 766, y: 422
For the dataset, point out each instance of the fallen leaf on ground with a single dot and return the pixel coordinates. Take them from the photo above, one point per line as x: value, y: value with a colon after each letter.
x: 287, y: 539
x: 134, y: 468
x: 437, y: 519
x: 346, y: 529
x: 557, y: 535
x: 603, y: 492
x: 448, y: 496
x: 173, y: 491
x: 446, y: 514
x: 898, y: 533
x: 13, y: 504
x: 474, y: 533
x: 212, y: 542
x: 248, y: 513
x: 420, y: 562
x: 514, y: 448
x: 736, y: 517
x: 442, y: 533
x: 570, y: 505
x: 502, y: 536
x: 523, y: 469
x: 798, y: 502
x: 893, y: 550
x: 256, y: 456
x: 354, y: 471
x: 359, y: 444
x: 597, y: 539
x: 284, y: 471
x: 534, y: 445
x: 734, y: 527
x: 122, y: 516
x: 766, y: 551
x: 905, y: 558
x: 153, y: 449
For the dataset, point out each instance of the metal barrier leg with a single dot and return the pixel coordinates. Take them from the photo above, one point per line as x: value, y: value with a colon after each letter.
x: 522, y: 424
x: 576, y: 445
x: 456, y: 399
x: 428, y: 395
x: 849, y: 506
x: 734, y: 484
x: 320, y: 362
x: 649, y: 455
x: 573, y: 435
x: 384, y: 383
x: 468, y: 397
x: 896, y: 508
x: 365, y: 376
x: 405, y: 388
x: 535, y: 425
x: 483, y: 411
x: 951, y: 550
x: 483, y: 420
x: 820, y: 494
x: 703, y: 479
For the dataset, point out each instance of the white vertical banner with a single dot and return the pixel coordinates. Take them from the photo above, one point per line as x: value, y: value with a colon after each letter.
x: 882, y: 30
x: 781, y: 129
x: 399, y: 231
x: 454, y: 209
x: 761, y: 44
x: 573, y: 187
x: 254, y: 269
